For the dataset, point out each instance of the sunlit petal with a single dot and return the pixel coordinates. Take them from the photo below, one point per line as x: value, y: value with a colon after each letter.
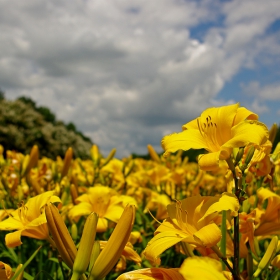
x: 202, y: 268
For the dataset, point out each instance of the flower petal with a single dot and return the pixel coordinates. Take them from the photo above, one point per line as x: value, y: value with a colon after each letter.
x: 161, y: 242
x: 202, y: 268
x: 227, y: 202
x: 244, y: 114
x: 209, y: 162
x: 185, y: 140
x: 152, y: 274
x: 13, y: 239
x: 102, y: 225
x: 79, y: 210
x: 209, y: 235
x: 247, y: 132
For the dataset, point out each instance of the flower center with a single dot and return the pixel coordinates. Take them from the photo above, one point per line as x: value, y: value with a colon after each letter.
x: 208, y: 131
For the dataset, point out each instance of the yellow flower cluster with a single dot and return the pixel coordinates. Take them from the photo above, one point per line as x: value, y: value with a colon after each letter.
x: 162, y: 218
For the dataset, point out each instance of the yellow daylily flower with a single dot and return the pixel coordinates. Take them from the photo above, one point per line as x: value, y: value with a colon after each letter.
x: 191, y: 220
x: 5, y: 271
x: 247, y: 228
x: 29, y: 219
x: 269, y: 221
x: 260, y: 162
x: 152, y: 274
x: 194, y: 268
x: 104, y: 201
x: 218, y: 130
x: 159, y: 203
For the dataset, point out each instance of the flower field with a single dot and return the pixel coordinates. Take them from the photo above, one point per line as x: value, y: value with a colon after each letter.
x: 164, y: 218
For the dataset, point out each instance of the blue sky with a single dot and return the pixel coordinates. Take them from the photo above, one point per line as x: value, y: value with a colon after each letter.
x: 129, y: 72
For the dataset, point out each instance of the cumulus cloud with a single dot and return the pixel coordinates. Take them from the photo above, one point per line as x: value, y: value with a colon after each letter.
x: 128, y: 72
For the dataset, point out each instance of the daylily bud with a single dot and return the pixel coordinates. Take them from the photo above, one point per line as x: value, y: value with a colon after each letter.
x: 114, y: 247
x: 129, y: 168
x: 154, y: 156
x: 67, y: 162
x: 178, y: 155
x: 94, y: 254
x: 273, y: 132
x: 94, y: 152
x: 74, y: 231
x: 33, y: 160
x: 84, y: 252
x: 36, y: 186
x: 24, y: 164
x: 109, y: 157
x: 269, y: 254
x: 250, y: 154
x: 20, y: 276
x: 239, y: 155
x: 60, y: 234
x: 74, y: 193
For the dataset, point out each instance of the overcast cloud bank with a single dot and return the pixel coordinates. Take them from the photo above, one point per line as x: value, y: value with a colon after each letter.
x: 129, y: 72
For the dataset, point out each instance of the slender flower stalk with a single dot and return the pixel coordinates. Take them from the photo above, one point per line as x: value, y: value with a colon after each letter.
x: 116, y: 243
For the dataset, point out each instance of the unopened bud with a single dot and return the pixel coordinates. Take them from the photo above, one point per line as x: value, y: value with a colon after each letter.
x: 109, y: 157
x: 32, y: 160
x: 67, y: 162
x: 94, y: 254
x: 19, y: 274
x: 94, y: 152
x: 60, y: 234
x: 239, y: 155
x: 115, y: 245
x: 84, y: 252
x: 74, y: 232
x: 74, y: 193
x: 153, y: 154
x: 250, y: 155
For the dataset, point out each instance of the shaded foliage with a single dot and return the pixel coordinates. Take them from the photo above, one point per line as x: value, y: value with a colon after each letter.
x: 23, y: 124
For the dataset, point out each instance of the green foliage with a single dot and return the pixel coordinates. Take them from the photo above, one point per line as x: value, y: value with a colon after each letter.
x: 2, y: 95
x: 23, y: 124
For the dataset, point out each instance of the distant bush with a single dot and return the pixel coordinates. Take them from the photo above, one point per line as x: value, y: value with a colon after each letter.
x: 23, y: 125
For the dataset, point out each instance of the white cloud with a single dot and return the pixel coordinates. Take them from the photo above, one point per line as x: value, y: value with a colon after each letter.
x: 127, y: 72
x: 267, y: 92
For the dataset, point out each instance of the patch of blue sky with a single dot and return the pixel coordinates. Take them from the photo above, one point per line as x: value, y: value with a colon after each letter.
x: 200, y: 31
x: 274, y: 27
x: 237, y: 89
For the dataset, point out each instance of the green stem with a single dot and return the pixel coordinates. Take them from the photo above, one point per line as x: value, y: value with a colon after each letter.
x: 236, y: 257
x: 224, y: 235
